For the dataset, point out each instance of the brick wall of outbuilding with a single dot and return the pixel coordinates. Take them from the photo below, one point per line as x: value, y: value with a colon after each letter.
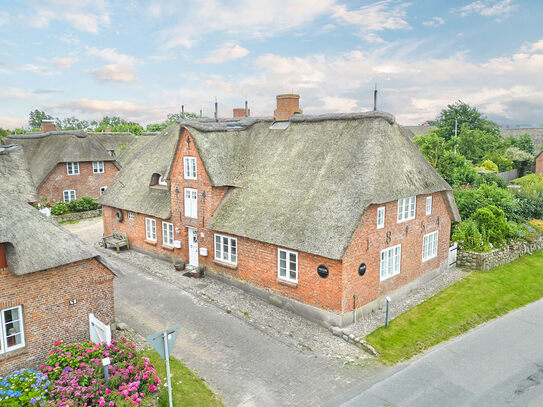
x: 539, y: 164
x: 86, y: 183
x: 369, y: 287
x: 48, y: 317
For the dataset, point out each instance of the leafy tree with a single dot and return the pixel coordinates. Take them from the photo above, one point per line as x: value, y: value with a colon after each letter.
x: 523, y: 143
x: 35, y: 118
x: 72, y: 123
x: 431, y: 146
x: 521, y: 159
x: 117, y: 124
x: 469, y: 200
x: 503, y: 163
x: 171, y: 119
x: 475, y: 143
x: 3, y: 133
x: 465, y: 115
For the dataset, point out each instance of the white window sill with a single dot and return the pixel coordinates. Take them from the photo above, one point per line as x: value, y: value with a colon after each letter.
x: 288, y: 283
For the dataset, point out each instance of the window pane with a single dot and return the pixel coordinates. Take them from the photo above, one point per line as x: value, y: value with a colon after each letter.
x: 292, y: 274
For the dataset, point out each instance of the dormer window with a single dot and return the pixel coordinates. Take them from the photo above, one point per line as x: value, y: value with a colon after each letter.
x: 158, y: 180
x: 162, y: 181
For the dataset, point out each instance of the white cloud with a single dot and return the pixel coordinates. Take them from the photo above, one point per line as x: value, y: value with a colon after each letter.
x: 489, y: 8
x: 228, y: 52
x: 434, y: 22
x: 15, y: 93
x: 45, y: 70
x: 83, y: 15
x: 256, y: 19
x: 115, y: 73
x: 59, y: 62
x: 111, y: 55
x: 533, y: 47
x: 385, y: 14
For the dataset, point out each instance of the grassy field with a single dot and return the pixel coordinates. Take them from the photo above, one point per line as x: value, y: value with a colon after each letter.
x: 477, y: 298
x: 187, y: 388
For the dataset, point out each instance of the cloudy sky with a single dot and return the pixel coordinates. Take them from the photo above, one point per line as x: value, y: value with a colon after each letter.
x: 142, y: 59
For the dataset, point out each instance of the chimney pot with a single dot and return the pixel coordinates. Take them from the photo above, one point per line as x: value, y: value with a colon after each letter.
x: 287, y: 105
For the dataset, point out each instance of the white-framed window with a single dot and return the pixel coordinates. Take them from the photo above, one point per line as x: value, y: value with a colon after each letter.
x: 12, y: 334
x: 226, y: 249
x: 191, y: 203
x: 428, y: 205
x: 72, y: 168
x: 167, y: 233
x: 429, y: 246
x: 102, y: 190
x: 150, y: 229
x: 98, y: 167
x: 68, y: 195
x: 131, y: 215
x: 391, y: 259
x: 189, y: 163
x: 406, y: 208
x: 287, y: 265
x: 162, y: 181
x: 381, y: 217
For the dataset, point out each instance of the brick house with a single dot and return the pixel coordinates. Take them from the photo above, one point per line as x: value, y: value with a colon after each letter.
x: 539, y: 163
x: 50, y: 282
x: 66, y: 165
x: 322, y: 214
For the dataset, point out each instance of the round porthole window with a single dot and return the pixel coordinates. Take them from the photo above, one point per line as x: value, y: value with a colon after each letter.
x: 322, y: 271
x: 361, y: 269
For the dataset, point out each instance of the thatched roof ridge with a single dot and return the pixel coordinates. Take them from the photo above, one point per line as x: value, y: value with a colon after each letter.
x: 228, y: 124
x: 130, y: 189
x: 14, y: 173
x: 29, y: 136
x: 34, y: 242
x: 308, y: 186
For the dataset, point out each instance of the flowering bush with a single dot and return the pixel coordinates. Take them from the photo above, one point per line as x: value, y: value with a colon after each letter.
x: 24, y: 388
x: 77, y: 375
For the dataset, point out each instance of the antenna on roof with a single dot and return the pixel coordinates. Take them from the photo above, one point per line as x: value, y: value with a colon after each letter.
x: 375, y: 97
x: 183, y: 111
x: 246, y: 108
x: 216, y: 110
x: 200, y: 112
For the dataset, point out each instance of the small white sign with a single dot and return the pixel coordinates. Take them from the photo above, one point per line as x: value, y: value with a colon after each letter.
x: 106, y: 361
x: 73, y: 302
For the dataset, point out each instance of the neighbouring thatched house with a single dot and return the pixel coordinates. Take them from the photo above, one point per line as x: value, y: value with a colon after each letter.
x: 50, y: 281
x: 66, y: 165
x: 322, y: 214
x: 14, y: 173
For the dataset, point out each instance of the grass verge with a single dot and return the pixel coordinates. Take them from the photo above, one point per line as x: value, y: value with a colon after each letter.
x: 187, y: 388
x: 477, y: 298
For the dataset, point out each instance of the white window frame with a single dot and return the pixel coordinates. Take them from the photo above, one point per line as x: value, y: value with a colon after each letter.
x: 191, y: 203
x: 381, y: 212
x: 189, y: 167
x: 430, y: 244
x: 72, y: 168
x: 288, y: 269
x: 103, y: 189
x: 69, y: 192
x: 386, y: 268
x: 162, y: 181
x: 230, y: 255
x: 98, y: 167
x: 167, y: 234
x: 407, y: 208
x: 150, y: 229
x: 131, y: 215
x: 4, y: 335
x: 429, y: 205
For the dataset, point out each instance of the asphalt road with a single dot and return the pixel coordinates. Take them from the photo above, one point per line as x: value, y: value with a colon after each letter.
x: 497, y: 364
x: 245, y: 365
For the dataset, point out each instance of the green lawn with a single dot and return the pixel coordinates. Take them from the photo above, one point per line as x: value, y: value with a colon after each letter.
x: 477, y: 298
x: 187, y: 388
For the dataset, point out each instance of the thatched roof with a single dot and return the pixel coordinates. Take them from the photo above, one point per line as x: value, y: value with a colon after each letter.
x: 305, y: 187
x: 128, y: 152
x: 419, y: 130
x: 114, y: 140
x: 14, y: 173
x: 44, y: 151
x: 130, y: 188
x: 34, y: 242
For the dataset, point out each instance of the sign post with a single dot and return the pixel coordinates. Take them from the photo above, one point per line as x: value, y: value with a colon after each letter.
x: 163, y: 342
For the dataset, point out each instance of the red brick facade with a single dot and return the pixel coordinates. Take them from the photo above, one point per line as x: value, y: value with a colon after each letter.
x: 539, y: 164
x: 86, y: 183
x: 257, y: 262
x: 44, y: 297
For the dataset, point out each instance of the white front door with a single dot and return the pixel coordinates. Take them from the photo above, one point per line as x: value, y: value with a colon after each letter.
x: 193, y: 247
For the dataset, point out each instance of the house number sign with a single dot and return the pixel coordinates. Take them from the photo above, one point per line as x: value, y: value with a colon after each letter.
x: 73, y: 302
x: 322, y: 270
x: 361, y: 269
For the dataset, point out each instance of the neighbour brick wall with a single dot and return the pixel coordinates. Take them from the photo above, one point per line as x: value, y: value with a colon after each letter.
x: 45, y: 297
x: 86, y: 183
x: 369, y: 287
x: 539, y: 164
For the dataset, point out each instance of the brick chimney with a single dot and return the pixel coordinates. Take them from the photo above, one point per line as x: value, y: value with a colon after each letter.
x: 240, y: 112
x: 287, y: 105
x: 3, y: 260
x: 48, y: 125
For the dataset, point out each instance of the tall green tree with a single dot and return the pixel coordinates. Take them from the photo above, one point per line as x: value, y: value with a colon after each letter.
x: 464, y: 115
x: 171, y: 119
x: 36, y: 116
x: 475, y: 143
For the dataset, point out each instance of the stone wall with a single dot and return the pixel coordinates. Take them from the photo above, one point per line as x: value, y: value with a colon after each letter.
x: 498, y: 257
x: 77, y: 215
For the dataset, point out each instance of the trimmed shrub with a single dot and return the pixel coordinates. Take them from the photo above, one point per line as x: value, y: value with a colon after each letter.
x: 492, y: 225
x: 59, y: 208
x: 489, y: 165
x: 83, y: 204
x: 468, y: 236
